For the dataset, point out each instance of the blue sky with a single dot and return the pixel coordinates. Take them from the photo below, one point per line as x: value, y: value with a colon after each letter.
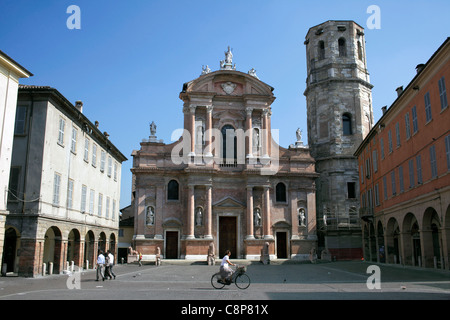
x: 129, y: 60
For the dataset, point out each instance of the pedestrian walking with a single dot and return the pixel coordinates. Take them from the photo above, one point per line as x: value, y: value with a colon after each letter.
x: 140, y: 259
x: 111, y: 264
x: 100, y: 266
x: 107, y: 273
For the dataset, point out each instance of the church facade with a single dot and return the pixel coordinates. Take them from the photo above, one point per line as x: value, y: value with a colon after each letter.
x: 226, y: 181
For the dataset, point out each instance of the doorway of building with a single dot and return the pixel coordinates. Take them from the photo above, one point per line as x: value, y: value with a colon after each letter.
x: 282, y: 245
x: 228, y: 236
x: 171, y: 245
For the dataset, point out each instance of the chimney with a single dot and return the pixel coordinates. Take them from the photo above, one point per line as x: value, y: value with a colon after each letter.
x: 399, y: 91
x: 420, y: 67
x: 384, y: 109
x: 79, y: 105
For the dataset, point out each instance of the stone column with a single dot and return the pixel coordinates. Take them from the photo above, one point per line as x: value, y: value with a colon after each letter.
x: 140, y: 208
x: 265, y: 133
x: 249, y: 132
x: 208, y: 234
x: 294, y: 213
x: 250, y: 232
x: 267, y: 217
x: 191, y: 213
x: 192, y: 129
x: 208, y: 132
x: 159, y: 208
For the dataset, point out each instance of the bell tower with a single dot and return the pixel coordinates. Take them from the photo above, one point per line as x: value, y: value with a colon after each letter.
x: 339, y: 112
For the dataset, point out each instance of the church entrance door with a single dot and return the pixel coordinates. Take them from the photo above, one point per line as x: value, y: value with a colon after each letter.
x: 171, y: 245
x: 228, y: 236
x: 281, y: 245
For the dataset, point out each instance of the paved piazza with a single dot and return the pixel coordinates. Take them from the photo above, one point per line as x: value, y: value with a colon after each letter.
x: 281, y: 280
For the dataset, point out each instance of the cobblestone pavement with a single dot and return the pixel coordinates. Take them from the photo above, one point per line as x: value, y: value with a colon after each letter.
x: 281, y: 280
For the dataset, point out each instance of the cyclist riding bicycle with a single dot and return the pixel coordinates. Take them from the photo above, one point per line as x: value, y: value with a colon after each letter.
x: 225, y: 271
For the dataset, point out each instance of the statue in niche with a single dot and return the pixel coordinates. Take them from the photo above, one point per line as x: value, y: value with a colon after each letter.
x: 257, y: 217
x: 199, y: 217
x: 255, y: 139
x: 150, y: 216
x: 302, y: 217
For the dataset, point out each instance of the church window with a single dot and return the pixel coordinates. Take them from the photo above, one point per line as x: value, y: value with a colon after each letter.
x: 280, y: 192
x: 342, y: 47
x: 347, y: 124
x: 229, y: 153
x: 172, y: 190
x: 321, y: 50
x: 360, y: 54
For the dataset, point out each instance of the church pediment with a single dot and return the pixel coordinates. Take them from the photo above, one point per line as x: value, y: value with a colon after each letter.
x: 228, y: 203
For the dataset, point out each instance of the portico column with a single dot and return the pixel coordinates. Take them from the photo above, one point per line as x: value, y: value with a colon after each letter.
x: 267, y: 217
x: 190, y: 216
x: 294, y: 214
x: 265, y: 135
x: 208, y: 212
x: 249, y: 132
x: 192, y: 128
x: 208, y: 132
x: 250, y: 231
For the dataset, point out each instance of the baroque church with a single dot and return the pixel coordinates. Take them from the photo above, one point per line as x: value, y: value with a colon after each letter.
x: 228, y: 183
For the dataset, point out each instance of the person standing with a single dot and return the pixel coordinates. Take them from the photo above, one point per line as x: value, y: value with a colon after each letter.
x: 111, y: 264
x: 100, y: 266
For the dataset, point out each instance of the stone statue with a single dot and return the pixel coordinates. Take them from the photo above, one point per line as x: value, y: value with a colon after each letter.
x: 255, y: 139
x: 211, y: 254
x: 227, y: 64
x: 265, y: 257
x: 313, y: 255
x: 153, y: 128
x: 205, y: 70
x: 299, y: 135
x: 199, y: 217
x: 252, y: 72
x: 150, y: 216
x: 158, y: 256
x: 257, y: 217
x: 228, y: 56
x: 301, y: 217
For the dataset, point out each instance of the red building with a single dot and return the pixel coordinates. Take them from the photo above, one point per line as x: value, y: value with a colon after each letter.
x: 404, y: 166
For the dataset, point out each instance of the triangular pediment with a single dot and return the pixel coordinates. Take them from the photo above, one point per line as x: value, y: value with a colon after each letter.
x: 228, y: 202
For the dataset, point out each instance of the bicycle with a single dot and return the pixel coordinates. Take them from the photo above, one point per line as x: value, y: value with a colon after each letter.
x: 240, y: 279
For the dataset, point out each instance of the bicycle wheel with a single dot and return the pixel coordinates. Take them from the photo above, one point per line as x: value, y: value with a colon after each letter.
x: 215, y: 281
x: 242, y: 281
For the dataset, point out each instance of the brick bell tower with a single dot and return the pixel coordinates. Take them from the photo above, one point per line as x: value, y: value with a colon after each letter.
x: 339, y: 113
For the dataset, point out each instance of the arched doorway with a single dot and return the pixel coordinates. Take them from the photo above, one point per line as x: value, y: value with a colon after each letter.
x: 393, y: 241
x: 380, y: 242
x: 411, y: 240
x: 53, y: 249
x: 102, y: 242
x: 432, y: 239
x: 89, y: 249
x: 10, y: 247
x: 74, y: 247
x: 112, y: 243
